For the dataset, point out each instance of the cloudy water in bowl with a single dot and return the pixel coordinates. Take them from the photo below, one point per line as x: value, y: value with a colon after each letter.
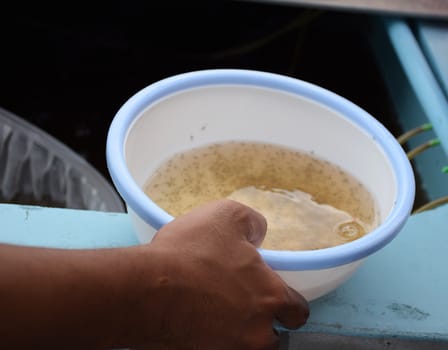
x: 309, y: 203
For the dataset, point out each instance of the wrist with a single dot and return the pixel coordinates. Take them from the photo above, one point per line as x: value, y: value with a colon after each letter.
x: 146, y: 297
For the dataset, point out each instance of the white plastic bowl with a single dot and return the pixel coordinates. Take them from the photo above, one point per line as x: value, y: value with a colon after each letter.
x: 203, y: 107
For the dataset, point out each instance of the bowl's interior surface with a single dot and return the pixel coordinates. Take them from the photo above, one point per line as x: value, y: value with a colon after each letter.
x: 205, y: 115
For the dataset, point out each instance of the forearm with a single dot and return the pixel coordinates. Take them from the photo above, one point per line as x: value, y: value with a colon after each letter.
x: 69, y: 298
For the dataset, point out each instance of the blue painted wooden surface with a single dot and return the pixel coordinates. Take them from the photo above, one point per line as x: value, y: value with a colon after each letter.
x: 416, y: 95
x: 421, y: 76
x: 64, y: 228
x: 433, y: 39
x: 400, y: 291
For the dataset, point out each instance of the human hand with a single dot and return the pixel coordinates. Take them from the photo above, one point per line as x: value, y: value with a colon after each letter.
x: 201, y: 284
x: 213, y: 290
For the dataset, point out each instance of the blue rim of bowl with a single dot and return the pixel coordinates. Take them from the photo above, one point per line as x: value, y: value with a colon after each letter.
x: 146, y: 209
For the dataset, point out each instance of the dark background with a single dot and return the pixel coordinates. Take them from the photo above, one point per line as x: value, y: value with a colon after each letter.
x: 69, y: 70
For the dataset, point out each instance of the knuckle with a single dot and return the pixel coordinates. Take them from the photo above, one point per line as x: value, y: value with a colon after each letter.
x: 235, y: 210
x: 244, y: 219
x: 239, y: 214
x: 279, y: 288
x: 277, y: 296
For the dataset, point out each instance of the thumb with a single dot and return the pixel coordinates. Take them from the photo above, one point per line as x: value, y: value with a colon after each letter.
x: 232, y: 217
x: 223, y: 217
